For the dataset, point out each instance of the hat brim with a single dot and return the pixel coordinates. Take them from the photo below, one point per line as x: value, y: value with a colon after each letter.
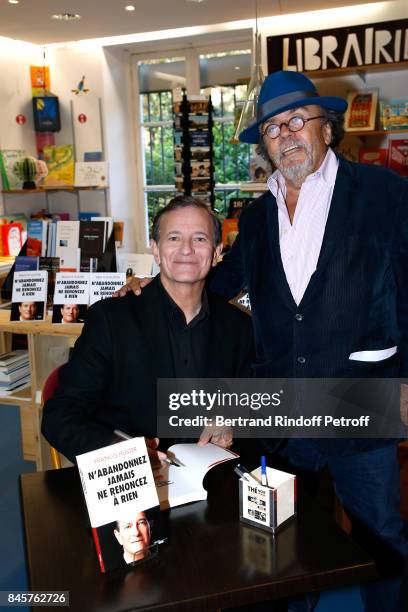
x: 251, y: 134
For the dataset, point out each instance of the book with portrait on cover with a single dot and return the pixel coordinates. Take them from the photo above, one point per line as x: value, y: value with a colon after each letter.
x: 122, y: 503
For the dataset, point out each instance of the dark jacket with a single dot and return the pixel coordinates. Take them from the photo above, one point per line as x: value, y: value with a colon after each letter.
x: 356, y: 300
x: 110, y: 381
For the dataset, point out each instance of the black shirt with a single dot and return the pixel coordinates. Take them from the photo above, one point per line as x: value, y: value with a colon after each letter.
x: 188, y: 341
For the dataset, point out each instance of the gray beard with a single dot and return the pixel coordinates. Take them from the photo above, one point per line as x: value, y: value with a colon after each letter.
x: 295, y: 173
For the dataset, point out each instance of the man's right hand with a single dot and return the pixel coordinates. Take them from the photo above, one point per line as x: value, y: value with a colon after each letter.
x: 157, y: 458
x: 135, y: 284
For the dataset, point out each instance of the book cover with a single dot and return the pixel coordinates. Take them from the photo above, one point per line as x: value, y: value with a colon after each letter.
x: 12, y: 240
x: 66, y: 244
x: 23, y: 263
x: 200, y: 153
x: 91, y: 174
x: 199, y: 138
x: 398, y: 156
x: 200, y: 185
x: 8, y: 158
x: 17, y: 217
x: 14, y: 375
x: 136, y: 264
x: 235, y: 206
x: 52, y: 265
x: 394, y: 114
x: 69, y: 259
x: 122, y: 503
x: 13, y: 357
x: 201, y: 169
x: 104, y: 284
x: 40, y: 80
x: 373, y: 155
x: 118, y: 232
x: 197, y: 121
x: 93, y: 156
x: 87, y: 215
x: 91, y: 243
x: 108, y: 227
x: 361, y: 110
x: 60, y: 164
x: 198, y: 106
x: 71, y: 297
x: 35, y: 236
x: 29, y: 296
x: 229, y: 232
x: 183, y: 483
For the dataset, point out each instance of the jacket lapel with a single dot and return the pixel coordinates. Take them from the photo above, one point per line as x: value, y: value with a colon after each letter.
x: 150, y: 318
x: 336, y: 227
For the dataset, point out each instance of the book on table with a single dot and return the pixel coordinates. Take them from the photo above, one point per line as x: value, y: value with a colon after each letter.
x: 183, y: 483
x: 122, y: 503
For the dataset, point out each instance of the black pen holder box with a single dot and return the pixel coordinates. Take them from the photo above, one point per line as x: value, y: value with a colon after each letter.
x: 268, y: 507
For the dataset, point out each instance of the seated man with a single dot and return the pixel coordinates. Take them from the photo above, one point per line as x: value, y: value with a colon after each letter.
x: 174, y: 330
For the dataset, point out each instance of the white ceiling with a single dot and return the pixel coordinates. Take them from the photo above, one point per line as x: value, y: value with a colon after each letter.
x: 30, y: 20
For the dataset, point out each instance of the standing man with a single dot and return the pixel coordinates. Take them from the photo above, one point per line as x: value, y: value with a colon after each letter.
x: 324, y: 257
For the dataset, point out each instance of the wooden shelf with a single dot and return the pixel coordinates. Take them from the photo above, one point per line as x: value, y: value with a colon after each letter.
x: 17, y: 396
x: 49, y: 189
x: 359, y: 70
x: 375, y: 132
x: 41, y: 328
x: 253, y: 187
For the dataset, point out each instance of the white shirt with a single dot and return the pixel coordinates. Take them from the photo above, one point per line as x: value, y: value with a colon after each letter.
x: 300, y: 242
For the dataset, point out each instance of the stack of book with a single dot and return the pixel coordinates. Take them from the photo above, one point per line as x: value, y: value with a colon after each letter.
x: 14, y: 370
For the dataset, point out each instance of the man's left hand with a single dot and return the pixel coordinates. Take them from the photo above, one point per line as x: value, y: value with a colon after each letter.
x: 221, y: 436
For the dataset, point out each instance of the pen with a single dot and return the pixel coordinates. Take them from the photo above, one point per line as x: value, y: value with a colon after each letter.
x: 125, y: 436
x: 160, y: 541
x: 244, y: 473
x: 264, y: 480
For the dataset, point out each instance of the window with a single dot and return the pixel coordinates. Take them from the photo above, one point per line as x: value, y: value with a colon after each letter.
x: 222, y: 75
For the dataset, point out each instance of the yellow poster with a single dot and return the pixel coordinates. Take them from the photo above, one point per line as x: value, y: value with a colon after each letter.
x: 40, y: 80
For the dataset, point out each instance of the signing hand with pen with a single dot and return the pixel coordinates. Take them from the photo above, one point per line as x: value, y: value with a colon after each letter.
x: 221, y: 436
x: 158, y: 459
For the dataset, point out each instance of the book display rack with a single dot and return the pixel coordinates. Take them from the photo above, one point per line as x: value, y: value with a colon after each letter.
x: 193, y: 148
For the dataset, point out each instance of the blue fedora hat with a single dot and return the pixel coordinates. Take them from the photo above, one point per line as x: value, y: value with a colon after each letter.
x: 282, y: 91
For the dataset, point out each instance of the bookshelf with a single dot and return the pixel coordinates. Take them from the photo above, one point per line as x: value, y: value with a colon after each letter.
x: 51, y: 190
x: 48, y: 347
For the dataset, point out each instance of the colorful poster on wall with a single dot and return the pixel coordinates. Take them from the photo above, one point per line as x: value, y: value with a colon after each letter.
x: 60, y: 164
x: 40, y: 80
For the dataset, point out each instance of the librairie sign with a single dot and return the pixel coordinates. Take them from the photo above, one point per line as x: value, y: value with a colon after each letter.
x: 351, y: 47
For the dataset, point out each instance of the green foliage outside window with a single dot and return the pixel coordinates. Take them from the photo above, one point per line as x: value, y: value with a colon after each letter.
x: 231, y: 161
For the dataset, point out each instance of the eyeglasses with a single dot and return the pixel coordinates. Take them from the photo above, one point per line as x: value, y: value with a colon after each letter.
x: 295, y: 124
